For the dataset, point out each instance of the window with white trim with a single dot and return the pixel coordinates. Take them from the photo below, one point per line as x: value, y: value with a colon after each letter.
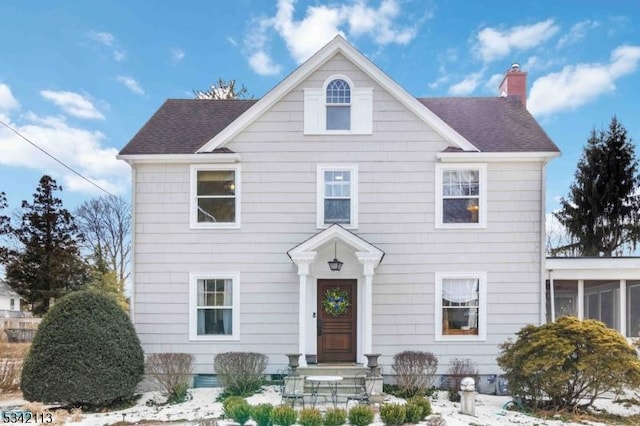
x: 338, y: 107
x: 214, y: 306
x: 337, y: 195
x: 461, y: 195
x: 461, y: 306
x: 338, y: 100
x: 215, y: 196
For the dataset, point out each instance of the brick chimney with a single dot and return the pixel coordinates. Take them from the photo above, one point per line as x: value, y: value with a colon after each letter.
x: 514, y: 83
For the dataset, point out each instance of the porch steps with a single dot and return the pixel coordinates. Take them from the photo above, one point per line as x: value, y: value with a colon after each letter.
x: 346, y: 386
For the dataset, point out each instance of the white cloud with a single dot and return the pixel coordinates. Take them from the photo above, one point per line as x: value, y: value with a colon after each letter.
x: 262, y: 64
x: 467, y: 85
x: 73, y: 104
x: 493, y: 83
x: 176, y: 54
x: 577, y: 32
x: 131, y: 84
x: 494, y: 44
x: 81, y: 149
x: 102, y: 37
x: 108, y: 40
x: 320, y: 24
x: 7, y: 101
x: 575, y: 85
x: 119, y: 55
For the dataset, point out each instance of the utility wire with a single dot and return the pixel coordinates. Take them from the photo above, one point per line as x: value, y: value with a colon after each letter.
x: 55, y: 159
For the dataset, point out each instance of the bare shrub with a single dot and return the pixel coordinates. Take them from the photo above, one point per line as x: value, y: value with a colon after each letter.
x: 241, y: 373
x: 171, y: 372
x: 12, y: 356
x: 458, y: 370
x: 414, y: 371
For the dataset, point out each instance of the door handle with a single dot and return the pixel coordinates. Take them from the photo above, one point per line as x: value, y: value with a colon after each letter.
x: 319, y: 327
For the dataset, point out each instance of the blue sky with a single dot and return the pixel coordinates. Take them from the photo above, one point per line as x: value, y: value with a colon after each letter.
x: 80, y: 78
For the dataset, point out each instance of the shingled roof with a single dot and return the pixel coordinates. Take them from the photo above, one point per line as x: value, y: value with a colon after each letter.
x: 500, y: 124
x: 182, y: 126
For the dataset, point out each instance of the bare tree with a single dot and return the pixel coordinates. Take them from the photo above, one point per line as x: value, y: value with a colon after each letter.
x: 223, y: 90
x: 105, y: 223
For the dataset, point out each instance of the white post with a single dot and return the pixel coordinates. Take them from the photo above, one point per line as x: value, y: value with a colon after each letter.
x: 369, y: 263
x: 580, y: 299
x: 552, y: 295
x: 303, y: 261
x: 622, y: 306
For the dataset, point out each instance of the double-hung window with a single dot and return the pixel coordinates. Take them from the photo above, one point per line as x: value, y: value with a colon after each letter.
x: 213, y: 305
x: 338, y: 98
x: 215, y: 196
x: 461, y: 306
x: 461, y: 195
x: 337, y: 195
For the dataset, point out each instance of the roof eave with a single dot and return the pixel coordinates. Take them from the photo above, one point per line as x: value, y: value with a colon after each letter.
x: 467, y: 157
x: 179, y: 158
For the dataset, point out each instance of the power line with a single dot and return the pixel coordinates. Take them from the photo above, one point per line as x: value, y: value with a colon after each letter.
x: 55, y: 159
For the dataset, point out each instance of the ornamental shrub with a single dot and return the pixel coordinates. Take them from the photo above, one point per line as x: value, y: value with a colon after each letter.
x: 229, y: 402
x: 361, y: 415
x: 283, y: 415
x: 310, y: 417
x: 568, y: 364
x: 393, y: 414
x: 261, y: 414
x: 414, y: 371
x: 241, y: 373
x: 171, y: 372
x: 335, y: 417
x: 240, y: 412
x: 413, y: 413
x: 423, y: 402
x: 85, y: 353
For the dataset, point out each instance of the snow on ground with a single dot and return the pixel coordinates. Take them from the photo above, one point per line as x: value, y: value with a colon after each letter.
x: 202, y: 405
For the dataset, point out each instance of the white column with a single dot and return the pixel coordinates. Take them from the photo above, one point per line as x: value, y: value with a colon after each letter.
x: 303, y: 262
x: 580, y: 299
x: 369, y: 263
x: 622, y: 306
x: 552, y: 297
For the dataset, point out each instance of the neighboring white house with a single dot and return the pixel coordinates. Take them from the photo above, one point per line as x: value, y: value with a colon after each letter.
x: 434, y: 206
x: 9, y: 300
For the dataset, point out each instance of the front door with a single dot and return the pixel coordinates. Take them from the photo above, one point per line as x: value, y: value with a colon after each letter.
x: 337, y: 329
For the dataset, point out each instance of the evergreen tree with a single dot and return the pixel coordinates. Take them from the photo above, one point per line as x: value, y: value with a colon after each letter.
x: 5, y: 228
x: 601, y: 212
x: 48, y: 264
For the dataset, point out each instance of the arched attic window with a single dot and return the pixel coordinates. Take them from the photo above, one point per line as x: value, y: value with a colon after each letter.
x: 338, y: 102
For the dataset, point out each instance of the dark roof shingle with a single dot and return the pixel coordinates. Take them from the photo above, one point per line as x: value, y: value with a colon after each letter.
x: 497, y: 124
x: 182, y: 126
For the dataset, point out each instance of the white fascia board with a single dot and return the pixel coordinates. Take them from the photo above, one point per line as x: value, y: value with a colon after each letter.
x: 338, y: 44
x: 180, y: 158
x: 507, y: 157
x: 593, y: 263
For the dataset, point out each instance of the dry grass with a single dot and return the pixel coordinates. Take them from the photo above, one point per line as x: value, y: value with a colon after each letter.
x: 11, y: 357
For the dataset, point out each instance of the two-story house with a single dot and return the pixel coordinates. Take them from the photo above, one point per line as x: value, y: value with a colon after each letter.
x: 338, y: 216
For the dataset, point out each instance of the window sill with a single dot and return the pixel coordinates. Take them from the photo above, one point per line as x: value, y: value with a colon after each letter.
x: 213, y: 338
x: 214, y: 226
x: 461, y: 226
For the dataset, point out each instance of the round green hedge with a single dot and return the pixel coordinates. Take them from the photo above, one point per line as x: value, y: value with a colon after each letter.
x: 85, y: 352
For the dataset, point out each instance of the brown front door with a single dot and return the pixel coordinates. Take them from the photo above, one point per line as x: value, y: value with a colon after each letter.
x: 337, y: 333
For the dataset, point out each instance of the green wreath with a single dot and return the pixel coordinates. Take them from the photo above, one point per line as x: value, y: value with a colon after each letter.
x: 335, y: 301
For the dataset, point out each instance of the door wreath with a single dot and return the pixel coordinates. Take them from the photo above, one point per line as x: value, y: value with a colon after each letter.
x: 335, y: 301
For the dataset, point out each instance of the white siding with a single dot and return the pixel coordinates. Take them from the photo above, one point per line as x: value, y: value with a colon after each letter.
x: 396, y: 213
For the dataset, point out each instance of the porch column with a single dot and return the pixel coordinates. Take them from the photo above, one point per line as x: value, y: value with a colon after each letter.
x: 623, y: 307
x: 369, y: 263
x: 303, y: 261
x: 581, y: 299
